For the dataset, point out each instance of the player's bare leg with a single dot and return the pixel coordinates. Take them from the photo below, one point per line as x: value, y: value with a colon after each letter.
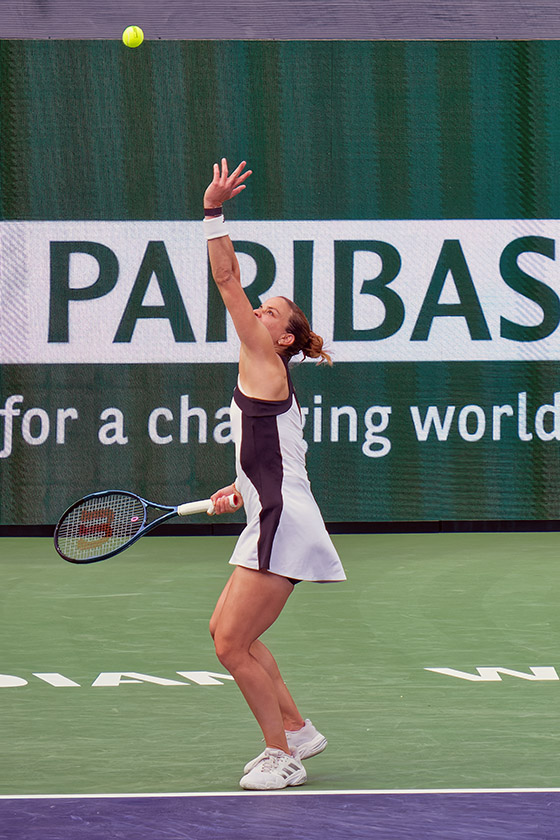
x: 290, y: 713
x: 291, y: 716
x: 249, y: 605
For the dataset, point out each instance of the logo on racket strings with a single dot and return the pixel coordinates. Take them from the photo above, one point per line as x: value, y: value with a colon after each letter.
x: 95, y: 528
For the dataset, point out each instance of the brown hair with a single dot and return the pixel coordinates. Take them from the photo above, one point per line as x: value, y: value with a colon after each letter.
x: 305, y: 340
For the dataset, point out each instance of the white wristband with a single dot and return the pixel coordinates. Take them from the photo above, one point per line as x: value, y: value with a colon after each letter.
x: 214, y: 227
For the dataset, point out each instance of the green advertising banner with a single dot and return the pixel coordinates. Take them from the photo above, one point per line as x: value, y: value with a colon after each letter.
x: 404, y: 194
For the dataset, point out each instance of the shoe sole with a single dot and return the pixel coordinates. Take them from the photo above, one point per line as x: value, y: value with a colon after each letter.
x: 297, y: 779
x: 314, y: 748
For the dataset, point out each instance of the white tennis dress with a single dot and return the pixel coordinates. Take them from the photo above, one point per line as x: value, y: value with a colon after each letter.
x: 285, y: 532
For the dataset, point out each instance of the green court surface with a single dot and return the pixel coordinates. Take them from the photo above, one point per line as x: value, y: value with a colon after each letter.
x: 355, y: 656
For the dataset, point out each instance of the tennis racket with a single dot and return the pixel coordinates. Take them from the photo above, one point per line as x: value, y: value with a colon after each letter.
x: 103, y: 524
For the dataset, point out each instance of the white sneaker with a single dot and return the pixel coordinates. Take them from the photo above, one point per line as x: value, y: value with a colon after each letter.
x: 274, y: 770
x: 307, y: 741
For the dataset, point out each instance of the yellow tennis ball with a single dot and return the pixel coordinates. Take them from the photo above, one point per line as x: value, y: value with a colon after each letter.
x: 132, y: 36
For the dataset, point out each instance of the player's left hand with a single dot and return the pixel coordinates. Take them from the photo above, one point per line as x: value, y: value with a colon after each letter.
x: 221, y: 503
x: 225, y: 186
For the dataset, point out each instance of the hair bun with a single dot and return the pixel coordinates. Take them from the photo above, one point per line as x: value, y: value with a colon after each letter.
x: 305, y: 340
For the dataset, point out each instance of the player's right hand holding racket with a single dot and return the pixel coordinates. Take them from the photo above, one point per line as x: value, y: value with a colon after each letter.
x: 221, y: 500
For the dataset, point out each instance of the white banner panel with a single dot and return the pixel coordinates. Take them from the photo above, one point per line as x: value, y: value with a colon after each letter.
x: 137, y: 292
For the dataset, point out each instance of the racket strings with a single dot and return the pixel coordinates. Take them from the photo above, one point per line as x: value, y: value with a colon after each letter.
x: 100, y: 525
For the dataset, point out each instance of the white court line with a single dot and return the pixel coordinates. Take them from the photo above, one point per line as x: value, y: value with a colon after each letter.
x: 285, y: 792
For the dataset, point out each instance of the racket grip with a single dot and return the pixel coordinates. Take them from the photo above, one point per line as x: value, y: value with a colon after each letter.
x: 204, y: 506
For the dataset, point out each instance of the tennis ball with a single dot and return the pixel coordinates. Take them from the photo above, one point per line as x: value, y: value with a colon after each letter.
x: 132, y: 36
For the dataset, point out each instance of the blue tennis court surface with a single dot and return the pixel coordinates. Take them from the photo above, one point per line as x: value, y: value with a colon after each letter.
x: 521, y: 815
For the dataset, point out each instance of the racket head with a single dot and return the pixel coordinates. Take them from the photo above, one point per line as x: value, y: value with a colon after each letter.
x: 100, y: 525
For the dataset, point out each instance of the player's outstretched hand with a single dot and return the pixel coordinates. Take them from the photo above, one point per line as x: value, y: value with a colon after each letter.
x: 221, y: 502
x: 224, y: 186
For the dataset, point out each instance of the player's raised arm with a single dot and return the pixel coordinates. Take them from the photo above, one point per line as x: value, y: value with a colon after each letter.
x: 223, y: 261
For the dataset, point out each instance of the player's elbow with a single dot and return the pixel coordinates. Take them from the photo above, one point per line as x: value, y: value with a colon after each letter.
x: 223, y: 276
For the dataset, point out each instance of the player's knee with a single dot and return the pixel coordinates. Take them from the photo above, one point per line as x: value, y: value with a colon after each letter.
x: 213, y: 626
x: 224, y: 651
x: 227, y: 651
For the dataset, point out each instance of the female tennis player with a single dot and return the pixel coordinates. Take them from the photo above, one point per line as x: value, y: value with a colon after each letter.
x: 285, y: 540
